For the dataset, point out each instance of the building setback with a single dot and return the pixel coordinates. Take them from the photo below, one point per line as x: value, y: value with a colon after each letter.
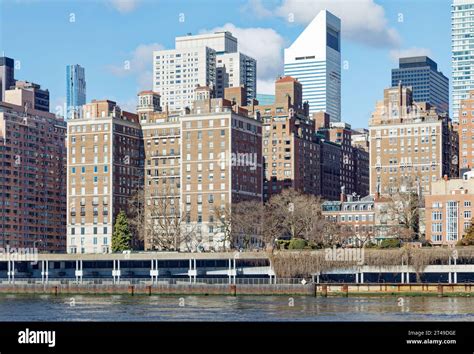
x: 22, y: 88
x: 104, y: 170
x: 426, y: 82
x: 32, y: 177
x: 411, y: 145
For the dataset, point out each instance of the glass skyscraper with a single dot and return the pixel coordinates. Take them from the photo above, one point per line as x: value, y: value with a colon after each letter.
x: 75, y: 89
x: 427, y: 83
x: 462, y: 34
x: 314, y: 59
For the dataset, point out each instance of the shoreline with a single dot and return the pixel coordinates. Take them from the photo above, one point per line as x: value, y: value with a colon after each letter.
x: 311, y: 289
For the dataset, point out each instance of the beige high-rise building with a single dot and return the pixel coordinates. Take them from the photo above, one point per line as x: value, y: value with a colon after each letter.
x: 104, y: 170
x: 162, y: 145
x: 199, y: 163
x: 291, y: 149
x: 411, y: 145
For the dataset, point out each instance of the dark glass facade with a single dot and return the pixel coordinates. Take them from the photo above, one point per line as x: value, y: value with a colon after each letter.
x: 428, y: 84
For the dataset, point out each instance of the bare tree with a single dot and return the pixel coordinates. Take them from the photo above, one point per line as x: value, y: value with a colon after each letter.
x: 166, y: 227
x: 247, y: 224
x: 296, y: 215
x: 403, y: 211
x: 224, y: 217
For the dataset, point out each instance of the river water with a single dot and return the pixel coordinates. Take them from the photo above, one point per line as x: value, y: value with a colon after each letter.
x: 240, y: 308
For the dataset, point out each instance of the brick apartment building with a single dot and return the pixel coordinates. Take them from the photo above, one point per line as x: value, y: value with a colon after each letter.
x: 204, y: 161
x: 291, y: 149
x: 411, y: 145
x: 449, y: 209
x: 104, y: 170
x: 32, y: 175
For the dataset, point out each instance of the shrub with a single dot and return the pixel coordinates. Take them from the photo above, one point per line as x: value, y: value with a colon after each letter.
x: 371, y: 245
x: 297, y: 244
x: 282, y: 244
x: 467, y: 240
x: 390, y: 243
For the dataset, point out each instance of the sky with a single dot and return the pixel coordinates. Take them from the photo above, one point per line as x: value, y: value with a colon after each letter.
x: 114, y: 40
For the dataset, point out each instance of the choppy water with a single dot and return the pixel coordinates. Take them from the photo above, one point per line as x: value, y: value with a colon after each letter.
x: 245, y: 308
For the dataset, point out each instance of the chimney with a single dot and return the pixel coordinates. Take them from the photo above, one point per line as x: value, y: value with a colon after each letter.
x: 343, y: 197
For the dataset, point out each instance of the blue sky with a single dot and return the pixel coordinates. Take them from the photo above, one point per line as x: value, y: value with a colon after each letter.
x: 103, y: 35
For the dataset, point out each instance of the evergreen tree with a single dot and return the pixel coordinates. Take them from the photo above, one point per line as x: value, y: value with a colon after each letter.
x: 122, y: 236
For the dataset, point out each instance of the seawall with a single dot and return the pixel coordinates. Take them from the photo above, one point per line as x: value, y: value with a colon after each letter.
x: 311, y: 289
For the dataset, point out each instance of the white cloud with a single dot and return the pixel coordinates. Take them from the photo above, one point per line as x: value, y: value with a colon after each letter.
x: 264, y: 45
x: 256, y: 8
x: 395, y: 54
x: 130, y: 105
x: 124, y: 6
x: 362, y: 21
x: 266, y: 86
x: 139, y: 63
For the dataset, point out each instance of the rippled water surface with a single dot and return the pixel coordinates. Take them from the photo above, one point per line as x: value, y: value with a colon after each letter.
x: 240, y: 308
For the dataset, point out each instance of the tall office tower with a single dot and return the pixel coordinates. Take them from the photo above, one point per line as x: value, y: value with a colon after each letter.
x: 462, y: 28
x: 32, y: 176
x: 314, y: 59
x: 427, y: 83
x: 7, y: 75
x: 40, y: 96
x: 411, y: 145
x: 75, y: 89
x: 104, y: 170
x: 291, y: 149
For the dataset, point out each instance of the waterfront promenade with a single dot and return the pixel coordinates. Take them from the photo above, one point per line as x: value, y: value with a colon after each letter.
x: 235, y: 273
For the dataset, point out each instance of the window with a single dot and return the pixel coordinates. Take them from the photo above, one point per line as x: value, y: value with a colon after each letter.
x: 436, y: 215
x: 437, y: 227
